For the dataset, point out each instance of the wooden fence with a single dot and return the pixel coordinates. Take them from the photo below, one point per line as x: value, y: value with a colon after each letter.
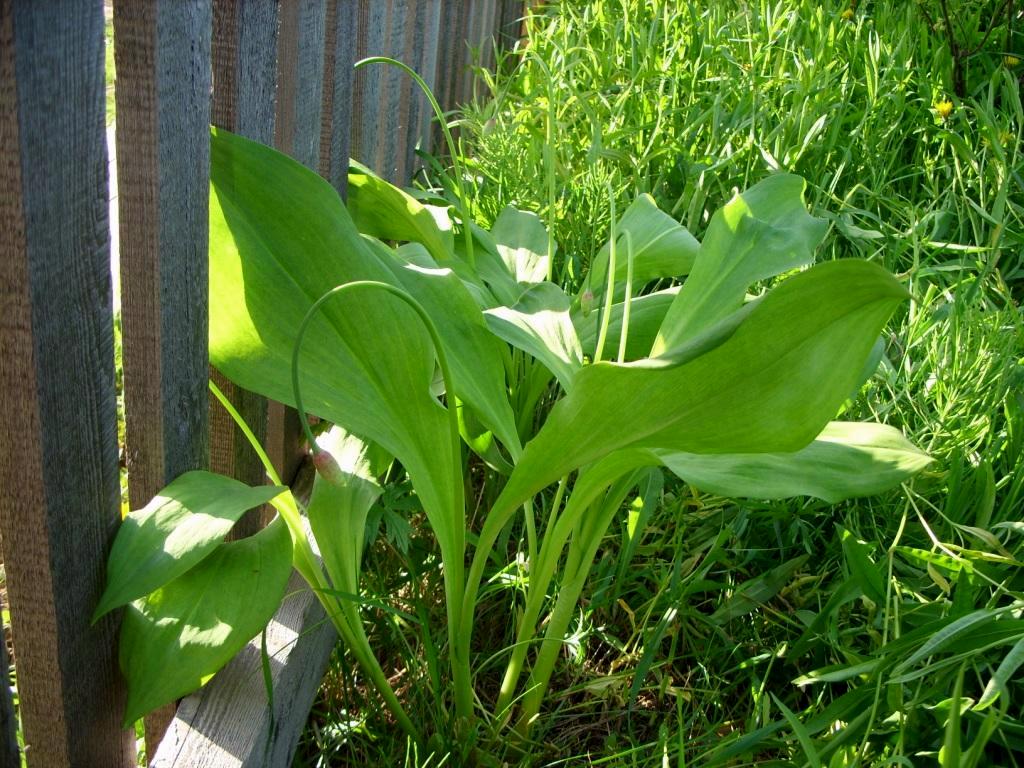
x: 280, y: 72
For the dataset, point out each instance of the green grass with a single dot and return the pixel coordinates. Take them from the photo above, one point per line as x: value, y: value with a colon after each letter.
x: 734, y: 633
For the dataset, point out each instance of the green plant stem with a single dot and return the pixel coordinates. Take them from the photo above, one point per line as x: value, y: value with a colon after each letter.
x: 579, y: 561
x: 464, y: 209
x: 606, y: 312
x: 454, y: 556
x: 542, y: 570
x: 624, y: 334
x: 344, y: 618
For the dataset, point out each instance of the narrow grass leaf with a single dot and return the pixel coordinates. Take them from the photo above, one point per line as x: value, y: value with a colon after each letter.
x: 971, y: 623
x: 996, y: 685
x: 757, y: 591
x: 863, y: 569
x: 806, y: 744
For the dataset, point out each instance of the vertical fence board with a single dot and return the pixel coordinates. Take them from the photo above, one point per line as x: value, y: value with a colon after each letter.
x: 244, y: 54
x: 366, y: 88
x: 162, y: 51
x: 339, y: 56
x: 58, y: 449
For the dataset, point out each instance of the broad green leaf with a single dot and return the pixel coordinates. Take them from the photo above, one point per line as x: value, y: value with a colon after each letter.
x: 540, y: 325
x: 181, y: 525
x: 646, y: 314
x: 770, y: 386
x: 662, y: 247
x: 490, y: 267
x: 339, y: 505
x: 475, y: 356
x: 846, y: 460
x: 383, y: 210
x: 522, y: 243
x: 175, y: 639
x: 760, y: 233
x: 280, y: 238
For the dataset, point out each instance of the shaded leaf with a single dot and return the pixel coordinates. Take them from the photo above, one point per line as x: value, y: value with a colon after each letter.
x: 662, y: 247
x: 540, y: 325
x: 522, y: 242
x: 184, y: 632
x: 646, y: 314
x: 382, y: 210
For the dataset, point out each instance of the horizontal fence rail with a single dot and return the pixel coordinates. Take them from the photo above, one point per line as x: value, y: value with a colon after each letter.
x: 277, y: 71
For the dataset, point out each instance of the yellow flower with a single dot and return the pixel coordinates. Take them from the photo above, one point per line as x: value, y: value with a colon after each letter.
x: 1006, y: 137
x: 1010, y: 60
x: 944, y: 108
x: 847, y: 15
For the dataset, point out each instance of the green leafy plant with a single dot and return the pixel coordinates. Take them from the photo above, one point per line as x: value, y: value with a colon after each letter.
x: 414, y: 344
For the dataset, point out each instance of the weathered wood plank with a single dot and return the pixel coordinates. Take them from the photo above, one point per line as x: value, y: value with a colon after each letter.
x: 58, y: 442
x: 426, y: 42
x: 162, y: 54
x: 339, y: 56
x: 367, y: 112
x: 300, y: 80
x: 395, y: 103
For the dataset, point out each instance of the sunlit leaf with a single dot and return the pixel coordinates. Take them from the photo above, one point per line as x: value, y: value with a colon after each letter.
x: 760, y: 233
x: 181, y: 525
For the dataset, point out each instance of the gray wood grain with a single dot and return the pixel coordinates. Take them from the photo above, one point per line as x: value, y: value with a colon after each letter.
x: 429, y: 44
x: 58, y: 441
x: 339, y: 57
x: 162, y: 55
x: 367, y: 112
x: 300, y: 80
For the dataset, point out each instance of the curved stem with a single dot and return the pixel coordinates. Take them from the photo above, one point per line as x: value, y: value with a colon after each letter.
x: 464, y: 210
x: 453, y: 531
